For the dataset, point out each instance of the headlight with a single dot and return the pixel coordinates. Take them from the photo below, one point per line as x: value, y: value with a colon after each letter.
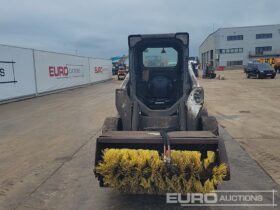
x: 198, y: 95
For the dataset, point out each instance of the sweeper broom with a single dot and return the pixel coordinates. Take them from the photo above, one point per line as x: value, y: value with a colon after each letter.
x: 163, y: 139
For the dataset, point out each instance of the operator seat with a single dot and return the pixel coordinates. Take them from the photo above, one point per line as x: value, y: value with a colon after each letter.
x: 160, y: 87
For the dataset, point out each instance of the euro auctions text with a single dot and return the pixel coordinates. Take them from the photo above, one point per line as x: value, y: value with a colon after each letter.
x: 65, y: 71
x: 224, y: 198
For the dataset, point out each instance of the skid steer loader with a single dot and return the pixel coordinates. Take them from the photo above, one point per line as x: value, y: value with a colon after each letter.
x: 160, y: 116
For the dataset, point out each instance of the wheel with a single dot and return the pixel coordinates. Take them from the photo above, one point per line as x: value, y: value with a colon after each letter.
x: 248, y: 76
x: 258, y: 76
x: 272, y: 77
x: 112, y: 124
x: 119, y: 78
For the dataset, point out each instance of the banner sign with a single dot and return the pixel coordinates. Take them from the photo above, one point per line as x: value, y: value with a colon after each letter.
x: 27, y: 72
x: 7, y: 72
x: 16, y: 72
x: 100, y: 69
x: 56, y: 71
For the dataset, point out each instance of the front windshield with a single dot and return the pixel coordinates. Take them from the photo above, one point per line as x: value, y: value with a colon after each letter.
x: 160, y: 57
x: 265, y: 66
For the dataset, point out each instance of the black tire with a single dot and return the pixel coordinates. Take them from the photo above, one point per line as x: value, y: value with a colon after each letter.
x: 247, y: 76
x: 272, y: 77
x: 258, y: 76
x: 119, y: 78
x: 111, y: 124
x: 210, y: 123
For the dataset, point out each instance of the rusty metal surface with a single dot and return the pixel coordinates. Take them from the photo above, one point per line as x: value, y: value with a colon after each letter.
x: 156, y: 134
x: 156, y: 123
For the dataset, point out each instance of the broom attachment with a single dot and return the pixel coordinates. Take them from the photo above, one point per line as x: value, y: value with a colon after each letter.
x: 145, y: 172
x: 133, y: 162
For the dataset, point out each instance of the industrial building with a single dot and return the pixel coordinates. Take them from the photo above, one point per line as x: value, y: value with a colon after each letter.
x: 232, y: 47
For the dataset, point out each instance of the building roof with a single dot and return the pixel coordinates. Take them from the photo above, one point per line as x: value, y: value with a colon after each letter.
x: 236, y: 28
x: 249, y: 26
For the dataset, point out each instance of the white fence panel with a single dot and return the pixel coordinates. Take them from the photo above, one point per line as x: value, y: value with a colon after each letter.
x: 100, y: 69
x: 16, y: 72
x: 56, y: 71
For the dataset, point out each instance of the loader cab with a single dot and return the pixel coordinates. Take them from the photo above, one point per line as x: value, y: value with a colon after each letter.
x: 158, y: 69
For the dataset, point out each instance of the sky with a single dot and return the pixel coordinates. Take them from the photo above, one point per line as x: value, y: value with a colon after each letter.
x: 100, y: 28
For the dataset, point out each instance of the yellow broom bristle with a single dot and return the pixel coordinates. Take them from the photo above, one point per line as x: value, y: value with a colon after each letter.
x: 144, y: 171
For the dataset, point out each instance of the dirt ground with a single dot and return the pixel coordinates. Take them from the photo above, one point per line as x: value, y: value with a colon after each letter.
x: 38, y: 136
x: 47, y: 144
x: 249, y: 109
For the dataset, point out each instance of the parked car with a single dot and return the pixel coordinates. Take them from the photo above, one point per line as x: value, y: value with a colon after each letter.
x: 259, y: 70
x: 250, y: 64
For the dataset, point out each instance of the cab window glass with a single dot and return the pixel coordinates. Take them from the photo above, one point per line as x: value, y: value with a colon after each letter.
x: 160, y: 57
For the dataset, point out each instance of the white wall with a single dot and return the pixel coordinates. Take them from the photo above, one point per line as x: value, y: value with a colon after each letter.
x: 100, y: 69
x: 16, y: 72
x: 57, y: 71
x: 27, y: 72
x: 205, y: 48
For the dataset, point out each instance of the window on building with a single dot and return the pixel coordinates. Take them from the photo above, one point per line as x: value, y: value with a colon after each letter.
x: 264, y: 36
x: 260, y: 50
x: 234, y: 38
x: 231, y: 50
x: 234, y: 63
x: 211, y: 54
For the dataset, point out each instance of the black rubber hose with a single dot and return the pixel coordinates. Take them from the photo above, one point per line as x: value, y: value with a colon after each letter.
x: 165, y: 138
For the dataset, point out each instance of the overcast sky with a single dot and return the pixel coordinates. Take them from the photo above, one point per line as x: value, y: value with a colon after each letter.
x: 100, y: 28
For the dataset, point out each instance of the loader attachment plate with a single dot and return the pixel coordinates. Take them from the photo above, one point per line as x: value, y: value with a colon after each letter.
x: 201, y: 141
